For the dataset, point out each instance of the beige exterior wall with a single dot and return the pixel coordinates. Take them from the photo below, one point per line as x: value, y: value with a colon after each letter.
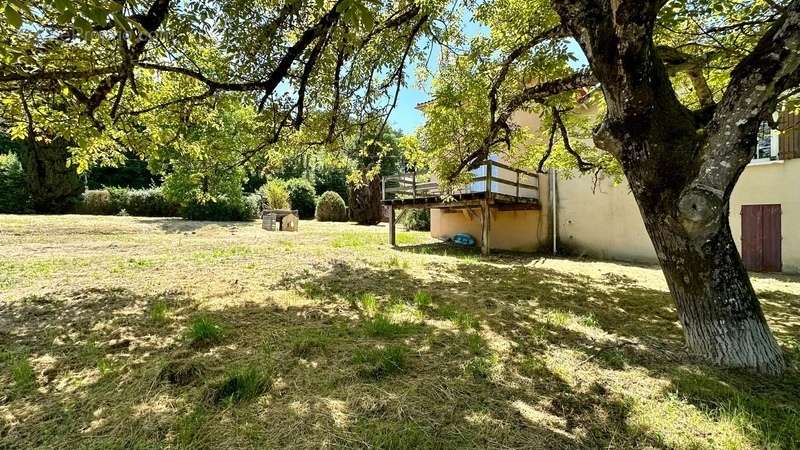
x: 607, y: 224
x: 519, y: 231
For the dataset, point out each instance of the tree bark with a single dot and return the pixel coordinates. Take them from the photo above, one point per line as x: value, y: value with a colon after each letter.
x: 682, y: 165
x: 717, y: 306
x: 365, y: 202
x: 54, y: 185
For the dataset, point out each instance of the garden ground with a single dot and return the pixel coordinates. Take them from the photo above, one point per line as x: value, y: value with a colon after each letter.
x: 144, y: 333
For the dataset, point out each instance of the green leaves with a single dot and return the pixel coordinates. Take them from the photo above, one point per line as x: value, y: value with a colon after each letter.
x: 13, y: 15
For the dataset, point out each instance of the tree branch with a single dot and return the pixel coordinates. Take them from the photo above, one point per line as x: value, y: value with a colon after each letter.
x: 757, y: 82
x: 537, y: 93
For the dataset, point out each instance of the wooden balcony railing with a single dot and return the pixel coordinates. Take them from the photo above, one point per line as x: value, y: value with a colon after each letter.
x: 490, y: 177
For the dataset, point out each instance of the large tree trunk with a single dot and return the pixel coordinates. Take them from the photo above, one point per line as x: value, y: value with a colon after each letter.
x: 54, y: 185
x: 720, y: 313
x: 365, y: 202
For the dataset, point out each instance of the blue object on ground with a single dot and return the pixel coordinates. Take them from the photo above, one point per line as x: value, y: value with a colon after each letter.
x: 464, y: 240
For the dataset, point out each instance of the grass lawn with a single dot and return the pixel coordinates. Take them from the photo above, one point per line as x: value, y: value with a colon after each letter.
x: 121, y: 332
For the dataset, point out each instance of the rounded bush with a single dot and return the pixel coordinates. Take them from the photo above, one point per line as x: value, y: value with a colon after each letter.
x: 302, y: 197
x: 14, y: 195
x: 331, y: 208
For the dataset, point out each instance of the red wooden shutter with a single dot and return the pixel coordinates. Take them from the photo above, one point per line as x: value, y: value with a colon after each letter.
x: 752, y: 252
x: 771, y: 222
x: 761, y: 238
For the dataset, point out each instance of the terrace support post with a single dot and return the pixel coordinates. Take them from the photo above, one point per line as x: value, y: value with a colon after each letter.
x: 392, y: 220
x: 485, y: 221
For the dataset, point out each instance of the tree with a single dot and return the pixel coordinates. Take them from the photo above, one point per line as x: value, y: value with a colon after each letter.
x: 684, y: 86
x: 378, y: 156
x: 314, y: 72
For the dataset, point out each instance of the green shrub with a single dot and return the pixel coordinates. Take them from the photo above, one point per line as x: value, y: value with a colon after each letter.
x: 204, y: 331
x: 302, y: 197
x: 135, y: 202
x: 331, y: 208
x: 222, y: 209
x: 331, y: 178
x: 275, y: 194
x: 119, y: 199
x: 418, y: 220
x: 240, y: 385
x: 252, y: 206
x: 14, y: 195
x: 149, y: 203
x: 378, y: 363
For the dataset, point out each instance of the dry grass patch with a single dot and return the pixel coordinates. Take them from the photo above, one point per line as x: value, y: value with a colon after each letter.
x: 328, y: 337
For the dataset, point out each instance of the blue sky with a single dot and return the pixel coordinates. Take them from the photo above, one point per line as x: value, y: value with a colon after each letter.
x: 405, y: 116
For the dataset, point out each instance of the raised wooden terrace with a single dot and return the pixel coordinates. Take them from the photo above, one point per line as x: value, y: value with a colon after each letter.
x: 494, y: 186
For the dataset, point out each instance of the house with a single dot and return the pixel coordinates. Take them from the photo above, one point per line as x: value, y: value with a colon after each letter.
x: 594, y: 217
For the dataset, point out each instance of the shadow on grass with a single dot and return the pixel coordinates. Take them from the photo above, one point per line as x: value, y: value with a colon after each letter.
x: 179, y: 225
x: 106, y: 351
x: 532, y: 307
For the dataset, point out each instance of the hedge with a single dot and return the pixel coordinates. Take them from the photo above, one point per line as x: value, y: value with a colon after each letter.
x: 14, y: 195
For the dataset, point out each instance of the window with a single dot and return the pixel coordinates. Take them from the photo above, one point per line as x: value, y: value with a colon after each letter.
x: 766, y: 145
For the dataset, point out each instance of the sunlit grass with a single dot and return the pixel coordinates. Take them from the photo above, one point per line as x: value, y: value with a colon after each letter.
x: 328, y: 337
x: 204, y: 330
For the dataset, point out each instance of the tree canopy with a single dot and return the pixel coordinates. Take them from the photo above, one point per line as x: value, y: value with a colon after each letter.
x: 673, y: 95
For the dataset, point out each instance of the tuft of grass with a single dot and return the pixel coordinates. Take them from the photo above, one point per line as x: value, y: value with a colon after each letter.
x: 106, y: 366
x: 396, y: 263
x: 312, y: 290
x: 181, y: 372
x: 484, y: 367
x: 613, y: 359
x: 368, y: 303
x: 558, y: 318
x: 377, y: 363
x: 533, y: 367
x: 308, y: 342
x: 422, y: 299
x: 588, y: 321
x: 204, y: 331
x: 159, y: 312
x: 241, y: 385
x: 461, y: 319
x: 475, y: 344
x: 396, y: 436
x: 23, y: 375
x: 381, y: 326
x: 189, y: 428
